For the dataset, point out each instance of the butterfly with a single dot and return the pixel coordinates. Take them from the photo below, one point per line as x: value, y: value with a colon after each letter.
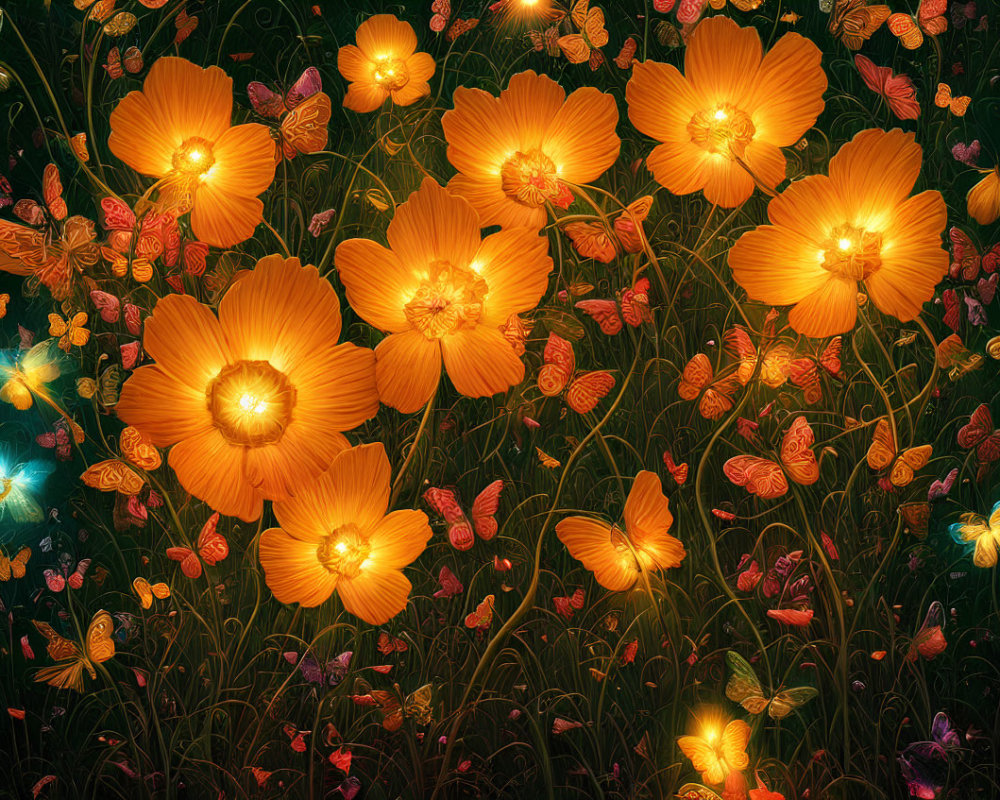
x: 679, y: 472
x: 304, y: 129
x: 634, y: 309
x: 72, y: 658
x: 854, y: 21
x: 592, y: 36
x: 626, y: 56
x: 146, y: 591
x: 689, y: 11
x: 774, y: 369
x: 272, y: 104
x: 697, y: 379
x: 979, y: 433
x: 546, y: 460
x: 57, y: 582
x: 55, y: 206
x: 26, y: 376
x: 445, y: 503
x: 966, y: 260
x: 390, y: 644
x: 583, y: 390
x: 766, y: 478
x: 897, y: 90
x: 929, y: 641
x: 70, y: 331
x: 481, y: 618
x: 940, y: 489
x: 567, y: 605
x: 930, y: 19
x: 924, y: 765
x: 956, y: 105
x: 547, y: 40
x: 113, y: 475
x: 744, y: 688
x: 954, y: 356
x: 16, y: 566
x: 983, y: 533
x: 804, y: 371
x: 717, y: 754
x: 333, y: 673
x: 416, y: 705
x: 882, y: 453
x: 916, y: 517
x: 742, y: 5
x: 212, y: 547
x: 185, y: 26
x: 19, y: 481
x: 450, y: 585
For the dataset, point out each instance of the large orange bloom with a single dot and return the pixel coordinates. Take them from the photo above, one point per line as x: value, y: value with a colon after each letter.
x: 178, y: 129
x: 384, y: 64
x: 983, y: 199
x: 443, y: 294
x: 828, y: 233
x: 514, y: 153
x: 336, y: 537
x: 255, y: 400
x: 602, y: 547
x: 730, y: 106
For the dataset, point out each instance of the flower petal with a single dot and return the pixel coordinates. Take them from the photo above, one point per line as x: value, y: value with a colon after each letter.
x: 681, y: 167
x: 399, y: 538
x: 479, y: 133
x: 407, y: 369
x: 187, y: 100
x: 515, y: 265
x: 493, y: 206
x: 721, y: 62
x: 222, y: 219
x: 650, y: 83
x: 531, y: 103
x: 292, y: 571
x: 766, y: 161
x: 164, y: 409
x: 385, y: 35
x: 480, y: 362
x: 776, y: 265
x: 138, y: 139
x: 983, y: 199
x: 433, y: 225
x: 211, y: 469
x: 353, y: 64
x: 363, y: 97
x: 378, y: 286
x: 375, y: 596
x: 186, y: 340
x: 727, y: 183
x: 831, y: 309
x: 244, y: 161
x: 581, y: 138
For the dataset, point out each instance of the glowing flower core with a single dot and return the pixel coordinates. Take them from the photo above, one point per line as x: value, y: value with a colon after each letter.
x: 530, y: 178
x: 852, y: 252
x: 194, y: 157
x: 6, y: 484
x: 344, y: 552
x: 724, y: 131
x: 390, y: 73
x: 449, y: 299
x: 251, y: 403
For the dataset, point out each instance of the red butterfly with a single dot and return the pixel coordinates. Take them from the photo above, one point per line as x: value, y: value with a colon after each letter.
x: 679, y: 472
x: 634, y: 308
x: 804, y: 372
x: 896, y: 90
x: 446, y: 504
x: 481, y: 618
x: 966, y: 259
x: 627, y: 55
x: 450, y: 585
x: 212, y: 547
x: 57, y: 582
x: 271, y: 104
x: 567, y: 605
x: 390, y: 644
x: 583, y: 389
x: 929, y: 640
x: 980, y: 434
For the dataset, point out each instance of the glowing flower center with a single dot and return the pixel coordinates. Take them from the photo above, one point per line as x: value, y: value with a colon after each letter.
x: 344, y: 552
x: 194, y: 156
x: 531, y: 178
x: 852, y: 252
x: 449, y: 298
x: 6, y: 484
x: 724, y: 131
x: 390, y: 73
x: 251, y: 403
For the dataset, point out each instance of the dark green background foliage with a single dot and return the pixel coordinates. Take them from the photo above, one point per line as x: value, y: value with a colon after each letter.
x: 219, y: 690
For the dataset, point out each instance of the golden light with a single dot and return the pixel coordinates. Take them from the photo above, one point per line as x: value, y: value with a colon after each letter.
x: 844, y: 244
x: 710, y: 734
x: 251, y: 405
x: 195, y: 155
x: 720, y: 114
x: 477, y: 267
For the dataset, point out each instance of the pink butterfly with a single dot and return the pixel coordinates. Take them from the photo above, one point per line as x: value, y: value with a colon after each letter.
x: 967, y: 154
x: 689, y: 11
x: 107, y: 305
x: 450, y: 585
x: 57, y: 582
x: 987, y: 288
x: 940, y: 489
x: 130, y: 354
x: 445, y: 503
x: 271, y: 104
x: 975, y: 310
x: 58, y: 439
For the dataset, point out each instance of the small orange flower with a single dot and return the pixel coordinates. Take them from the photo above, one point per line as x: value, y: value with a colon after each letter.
x: 984, y: 198
x: 254, y: 400
x: 178, y: 129
x: 603, y: 549
x: 335, y: 536
x: 443, y: 294
x: 858, y: 224
x: 515, y: 153
x: 384, y: 64
x: 732, y: 107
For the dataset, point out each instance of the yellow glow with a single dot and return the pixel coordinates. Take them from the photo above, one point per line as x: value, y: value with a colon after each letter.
x: 477, y: 267
x: 251, y: 404
x: 341, y: 546
x: 844, y: 244
x: 711, y: 734
x: 195, y: 155
x: 720, y: 114
x: 529, y: 3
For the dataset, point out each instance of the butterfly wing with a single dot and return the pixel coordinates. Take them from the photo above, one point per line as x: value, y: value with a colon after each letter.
x: 931, y: 16
x: 908, y: 463
x: 600, y: 549
x: 695, y: 791
x: 882, y: 450
x: 587, y: 389
x: 212, y: 545
x: 743, y: 686
x: 717, y: 399
x: 264, y: 101
x: 735, y: 737
x: 418, y: 705
x: 704, y: 758
x: 143, y: 591
x: 450, y: 584
x: 305, y: 130
x: 52, y: 189
x: 483, y: 509
x: 759, y: 476
x: 979, y: 426
x: 113, y: 475
x: 19, y: 563
x: 697, y: 375
x: 100, y: 645
x: 59, y: 647
x: 574, y: 47
x: 559, y: 366
x: 906, y: 30
x: 309, y: 84
x: 787, y: 700
x: 190, y: 565
x: 604, y: 313
x: 63, y: 676
x: 797, y: 455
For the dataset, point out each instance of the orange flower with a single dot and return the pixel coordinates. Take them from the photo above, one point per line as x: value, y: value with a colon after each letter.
x: 335, y: 536
x: 731, y: 111
x: 984, y: 198
x: 515, y: 153
x: 443, y: 293
x: 858, y: 224
x: 255, y: 400
x: 384, y: 64
x: 603, y: 549
x: 178, y: 129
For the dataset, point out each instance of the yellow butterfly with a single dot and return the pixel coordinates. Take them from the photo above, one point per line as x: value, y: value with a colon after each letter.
x: 71, y: 331
x: 882, y: 453
x: 744, y: 688
x: 28, y: 376
x: 984, y: 532
x: 582, y: 46
x: 14, y: 566
x: 98, y: 647
x: 957, y: 105
x: 715, y: 755
x: 416, y: 705
x: 695, y: 791
x: 147, y: 591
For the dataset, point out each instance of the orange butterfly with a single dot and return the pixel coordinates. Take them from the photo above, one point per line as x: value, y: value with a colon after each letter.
x: 16, y: 566
x: 481, y: 618
x: 138, y: 449
x: 803, y: 371
x: 634, y: 304
x: 773, y: 371
x: 765, y: 478
x: 212, y: 547
x: 583, y: 390
x: 854, y: 21
x: 930, y: 19
x: 916, y: 517
x: 697, y: 378
x: 4, y: 300
x: 387, y: 645
x: 628, y: 224
x: 956, y: 105
x: 147, y: 591
x: 70, y: 331
x: 304, y: 129
x: 716, y: 755
x: 101, y: 10
x: 113, y: 476
x: 546, y: 460
x: 882, y: 453
x: 98, y: 647
x: 585, y: 45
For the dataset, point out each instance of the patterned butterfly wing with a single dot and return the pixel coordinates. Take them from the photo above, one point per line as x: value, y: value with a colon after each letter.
x: 212, y: 545
x: 931, y: 16
x: 697, y: 375
x: 305, y: 130
x: 59, y: 647
x: 797, y: 455
x: 882, y: 450
x: 635, y: 303
x: 264, y: 101
x: 787, y: 700
x: 484, y: 507
x: 704, y: 758
x: 190, y: 565
x: 759, y: 476
x: 309, y: 83
x: 906, y: 30
x: 417, y: 705
x: 743, y: 686
x: 52, y: 189
x: 559, y: 366
x: 100, y: 645
x: 604, y: 313
x: 908, y: 463
x: 587, y: 389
